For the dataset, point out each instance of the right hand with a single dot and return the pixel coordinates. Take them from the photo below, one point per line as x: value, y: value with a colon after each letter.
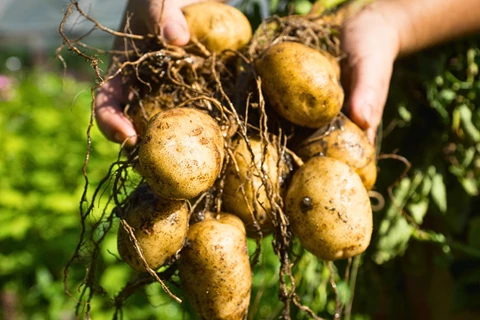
x: 113, y: 95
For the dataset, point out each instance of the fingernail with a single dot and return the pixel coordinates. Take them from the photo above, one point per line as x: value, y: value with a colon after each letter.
x: 371, y: 134
x: 367, y: 115
x: 172, y: 30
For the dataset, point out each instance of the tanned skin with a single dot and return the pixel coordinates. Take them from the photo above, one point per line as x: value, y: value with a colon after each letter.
x: 386, y: 29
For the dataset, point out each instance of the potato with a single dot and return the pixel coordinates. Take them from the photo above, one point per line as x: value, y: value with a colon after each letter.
x: 217, y: 26
x: 181, y: 153
x: 300, y: 83
x: 329, y: 209
x: 160, y: 227
x: 346, y: 142
x: 255, y: 202
x: 141, y: 111
x: 214, y: 268
x: 334, y: 62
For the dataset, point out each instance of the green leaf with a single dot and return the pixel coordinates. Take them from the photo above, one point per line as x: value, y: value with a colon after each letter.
x: 392, y: 212
x: 457, y: 170
x: 14, y: 262
x: 456, y: 120
x: 418, y: 210
x: 332, y: 3
x: 18, y: 226
x: 395, y: 243
x: 404, y: 113
x: 115, y: 278
x: 395, y: 231
x: 448, y: 94
x: 470, y: 129
x: 425, y: 187
x: 303, y: 7
x: 469, y: 155
x: 470, y: 186
x: 429, y: 235
x: 439, y: 192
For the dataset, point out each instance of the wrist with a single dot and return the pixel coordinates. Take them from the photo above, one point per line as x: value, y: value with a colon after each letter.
x: 374, y: 30
x: 421, y: 24
x: 390, y: 18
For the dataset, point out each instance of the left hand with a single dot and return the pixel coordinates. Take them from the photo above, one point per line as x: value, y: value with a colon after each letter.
x: 371, y: 43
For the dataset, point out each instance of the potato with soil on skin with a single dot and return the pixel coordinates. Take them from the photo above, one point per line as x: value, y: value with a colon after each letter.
x: 142, y: 110
x: 329, y: 209
x: 334, y: 62
x: 244, y: 193
x: 159, y: 225
x: 300, y: 83
x: 344, y: 141
x: 217, y: 26
x: 181, y: 154
x: 214, y: 268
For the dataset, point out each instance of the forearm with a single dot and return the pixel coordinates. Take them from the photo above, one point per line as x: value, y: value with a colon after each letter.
x: 423, y: 23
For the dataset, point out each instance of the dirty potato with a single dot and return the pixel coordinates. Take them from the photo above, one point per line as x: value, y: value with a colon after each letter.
x: 142, y: 110
x: 217, y: 26
x: 159, y: 226
x: 344, y: 141
x: 329, y: 209
x: 300, y: 83
x: 181, y: 154
x: 244, y: 193
x: 214, y: 268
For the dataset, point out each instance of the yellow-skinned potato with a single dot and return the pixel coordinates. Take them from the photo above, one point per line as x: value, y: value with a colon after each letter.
x: 248, y: 180
x: 334, y: 62
x: 346, y: 142
x: 217, y: 26
x: 300, y: 83
x: 160, y: 227
x: 214, y: 268
x: 142, y: 111
x: 181, y: 154
x: 329, y: 209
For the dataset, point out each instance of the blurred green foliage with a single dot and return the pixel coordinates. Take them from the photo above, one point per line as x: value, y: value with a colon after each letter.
x: 42, y: 152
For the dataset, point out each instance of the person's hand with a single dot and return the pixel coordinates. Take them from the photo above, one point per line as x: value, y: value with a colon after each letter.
x: 374, y: 37
x: 371, y: 44
x: 149, y: 16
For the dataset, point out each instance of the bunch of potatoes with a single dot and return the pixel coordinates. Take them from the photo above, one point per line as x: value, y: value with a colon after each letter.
x: 184, y: 152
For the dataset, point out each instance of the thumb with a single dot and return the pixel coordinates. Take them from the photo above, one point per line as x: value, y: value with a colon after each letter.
x: 370, y: 53
x: 367, y: 73
x: 369, y: 80
x: 166, y: 18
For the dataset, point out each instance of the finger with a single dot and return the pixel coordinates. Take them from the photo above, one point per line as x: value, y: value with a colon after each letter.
x: 369, y: 84
x: 371, y: 135
x: 109, y: 115
x: 367, y: 72
x: 166, y: 18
